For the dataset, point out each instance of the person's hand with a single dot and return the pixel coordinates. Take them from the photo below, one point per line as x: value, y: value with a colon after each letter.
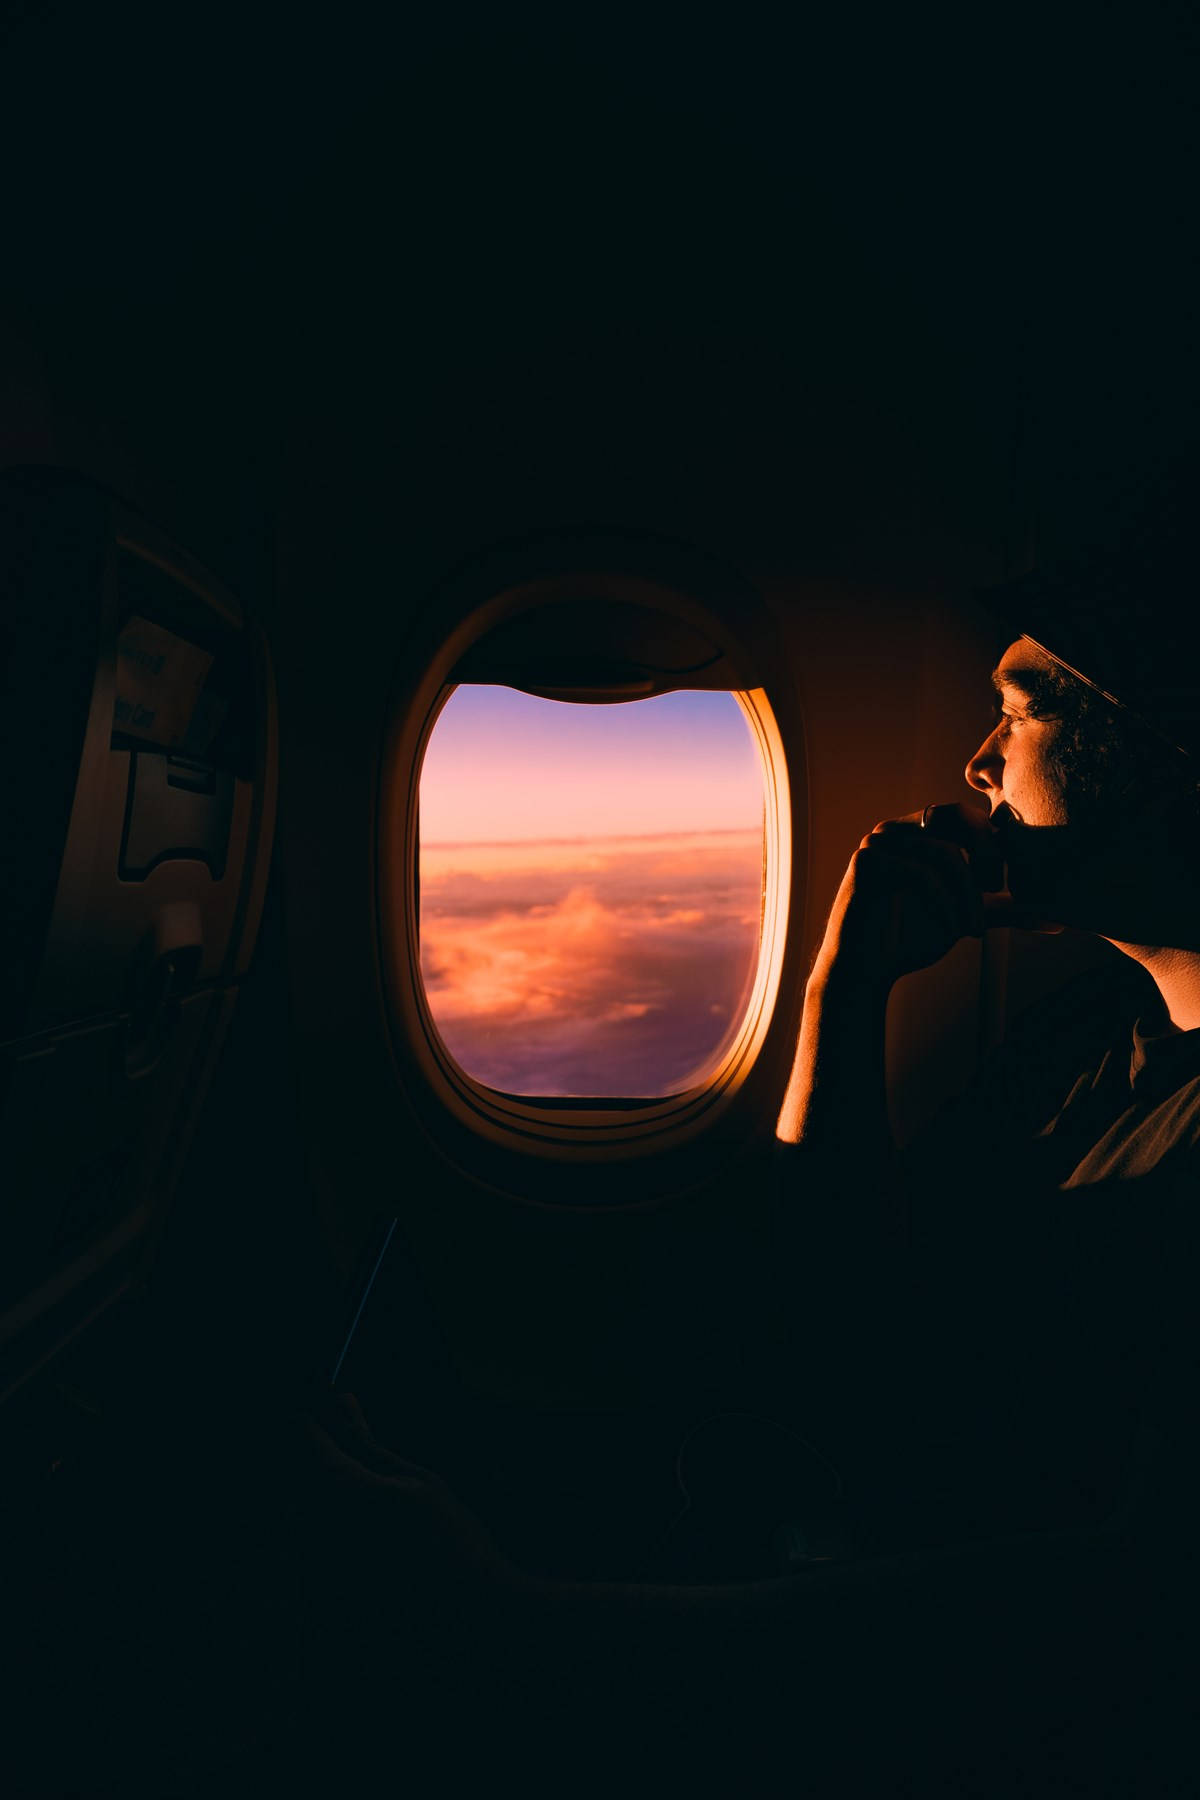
x: 912, y: 889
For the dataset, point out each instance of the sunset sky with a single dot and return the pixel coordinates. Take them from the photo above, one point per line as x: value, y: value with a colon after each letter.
x: 590, y: 889
x: 502, y: 766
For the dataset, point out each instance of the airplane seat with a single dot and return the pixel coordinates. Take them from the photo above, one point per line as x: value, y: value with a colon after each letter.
x: 138, y: 734
x: 415, y: 1618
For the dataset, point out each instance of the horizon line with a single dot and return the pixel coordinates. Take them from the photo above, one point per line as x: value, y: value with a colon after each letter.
x: 612, y: 837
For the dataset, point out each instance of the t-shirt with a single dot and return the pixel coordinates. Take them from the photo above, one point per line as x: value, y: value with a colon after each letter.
x: 1000, y: 1375
x: 1094, y: 1090
x: 1135, y: 1113
x: 1051, y: 1300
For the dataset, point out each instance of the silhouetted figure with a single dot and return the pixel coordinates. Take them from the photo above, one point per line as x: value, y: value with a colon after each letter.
x: 1042, y: 1318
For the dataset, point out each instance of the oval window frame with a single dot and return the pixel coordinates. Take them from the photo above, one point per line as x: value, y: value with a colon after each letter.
x: 495, y: 1134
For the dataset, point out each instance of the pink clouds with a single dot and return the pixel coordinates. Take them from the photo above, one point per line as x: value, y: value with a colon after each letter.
x: 618, y: 967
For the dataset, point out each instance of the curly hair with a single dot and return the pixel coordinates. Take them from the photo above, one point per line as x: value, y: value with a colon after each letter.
x: 1105, y: 757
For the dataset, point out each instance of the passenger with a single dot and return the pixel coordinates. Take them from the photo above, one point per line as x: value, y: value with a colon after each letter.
x: 1061, y: 1191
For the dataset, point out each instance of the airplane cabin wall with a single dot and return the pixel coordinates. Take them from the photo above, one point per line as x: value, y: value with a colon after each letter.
x: 882, y: 676
x: 884, y: 671
x: 854, y: 542
x: 790, y: 308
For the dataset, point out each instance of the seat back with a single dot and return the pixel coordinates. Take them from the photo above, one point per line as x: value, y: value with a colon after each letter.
x: 137, y: 736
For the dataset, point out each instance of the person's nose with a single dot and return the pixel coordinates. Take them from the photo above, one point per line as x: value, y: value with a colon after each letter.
x: 984, y: 769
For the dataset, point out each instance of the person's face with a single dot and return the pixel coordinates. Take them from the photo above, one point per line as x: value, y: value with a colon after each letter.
x: 1052, y: 864
x: 1110, y: 872
x: 1012, y: 765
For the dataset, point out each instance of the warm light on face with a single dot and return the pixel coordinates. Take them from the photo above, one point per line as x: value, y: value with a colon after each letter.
x: 591, y: 889
x: 1013, y: 764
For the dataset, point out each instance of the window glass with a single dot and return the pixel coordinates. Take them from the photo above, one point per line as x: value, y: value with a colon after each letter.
x: 591, y: 883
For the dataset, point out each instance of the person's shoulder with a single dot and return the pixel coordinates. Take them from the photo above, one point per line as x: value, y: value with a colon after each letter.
x: 1057, y: 1051
x: 1065, y: 1039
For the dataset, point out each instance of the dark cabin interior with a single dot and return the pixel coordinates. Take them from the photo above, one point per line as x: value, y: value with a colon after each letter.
x: 342, y: 329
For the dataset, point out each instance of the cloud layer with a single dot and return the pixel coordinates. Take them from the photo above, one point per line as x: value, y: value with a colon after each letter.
x: 615, y: 968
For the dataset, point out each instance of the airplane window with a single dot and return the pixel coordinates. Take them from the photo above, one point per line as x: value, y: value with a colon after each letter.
x: 591, y: 889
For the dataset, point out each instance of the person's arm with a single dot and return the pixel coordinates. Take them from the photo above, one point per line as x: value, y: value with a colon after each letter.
x: 836, y: 1099
x: 905, y: 900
